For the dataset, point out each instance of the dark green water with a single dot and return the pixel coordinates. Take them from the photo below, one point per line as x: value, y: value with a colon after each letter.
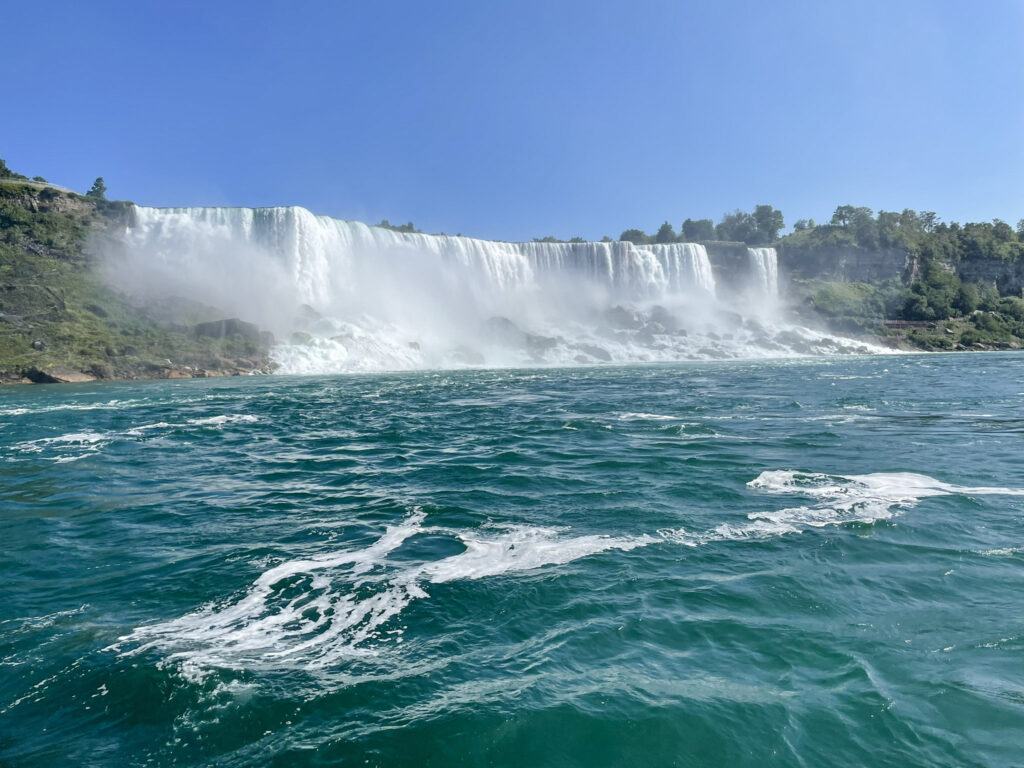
x: 746, y: 564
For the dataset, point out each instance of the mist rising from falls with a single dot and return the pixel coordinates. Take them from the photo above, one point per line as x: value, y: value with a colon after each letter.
x: 345, y: 296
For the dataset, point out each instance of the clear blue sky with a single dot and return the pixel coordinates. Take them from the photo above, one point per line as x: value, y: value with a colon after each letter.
x: 520, y: 119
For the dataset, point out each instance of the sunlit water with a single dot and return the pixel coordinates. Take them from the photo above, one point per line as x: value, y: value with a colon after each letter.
x: 811, y: 562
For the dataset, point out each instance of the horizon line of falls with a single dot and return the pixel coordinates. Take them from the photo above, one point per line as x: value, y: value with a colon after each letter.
x: 344, y: 296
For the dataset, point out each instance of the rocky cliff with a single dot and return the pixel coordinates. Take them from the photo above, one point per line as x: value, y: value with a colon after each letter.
x: 60, y: 322
x: 846, y: 264
x: 1007, y: 276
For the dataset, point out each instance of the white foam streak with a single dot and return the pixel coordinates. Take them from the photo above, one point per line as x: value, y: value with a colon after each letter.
x: 839, y: 500
x: 320, y: 611
x: 521, y: 549
x: 86, y: 443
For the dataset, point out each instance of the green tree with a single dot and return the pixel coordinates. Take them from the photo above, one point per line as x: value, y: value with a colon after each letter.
x: 1002, y: 231
x: 801, y: 225
x: 665, y: 234
x: 989, y: 298
x: 737, y: 227
x: 695, y: 231
x: 768, y: 222
x: 929, y: 220
x: 7, y: 173
x: 98, y: 189
x: 889, y: 229
x: 635, y: 236
x: 859, y: 222
x: 843, y: 216
x: 865, y: 228
x: 967, y: 299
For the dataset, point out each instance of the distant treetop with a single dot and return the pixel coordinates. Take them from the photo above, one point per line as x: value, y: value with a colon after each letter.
x: 98, y: 189
x: 408, y: 228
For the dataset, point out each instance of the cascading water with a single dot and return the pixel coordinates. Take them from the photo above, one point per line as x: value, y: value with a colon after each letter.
x: 347, y: 296
x: 765, y: 264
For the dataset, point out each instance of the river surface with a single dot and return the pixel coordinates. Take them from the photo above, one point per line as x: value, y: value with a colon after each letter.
x: 800, y: 563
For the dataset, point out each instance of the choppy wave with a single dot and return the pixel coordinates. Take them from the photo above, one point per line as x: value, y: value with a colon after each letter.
x: 318, y: 611
x: 73, y: 446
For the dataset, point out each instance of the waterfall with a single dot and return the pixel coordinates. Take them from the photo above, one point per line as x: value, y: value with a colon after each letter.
x: 318, y: 251
x: 765, y: 266
x: 371, y: 298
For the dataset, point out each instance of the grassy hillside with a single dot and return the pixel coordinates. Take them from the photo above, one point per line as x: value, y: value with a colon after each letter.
x: 966, y: 319
x: 59, y: 321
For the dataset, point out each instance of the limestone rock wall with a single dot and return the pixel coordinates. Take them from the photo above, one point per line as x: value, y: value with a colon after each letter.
x: 1008, y: 276
x: 846, y: 264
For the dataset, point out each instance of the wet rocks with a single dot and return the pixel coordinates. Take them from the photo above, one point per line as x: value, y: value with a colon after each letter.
x: 624, y: 319
x: 58, y: 375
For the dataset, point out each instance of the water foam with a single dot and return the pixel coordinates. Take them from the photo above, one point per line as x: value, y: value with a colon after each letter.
x: 83, y: 444
x: 839, y: 500
x: 320, y: 611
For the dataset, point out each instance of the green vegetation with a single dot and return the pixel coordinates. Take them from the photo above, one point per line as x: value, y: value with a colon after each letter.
x: 408, y: 228
x: 953, y: 314
x: 698, y: 231
x: 7, y: 173
x: 859, y: 308
x: 98, y: 189
x: 921, y: 234
x: 959, y: 316
x: 59, y: 319
x: 761, y: 227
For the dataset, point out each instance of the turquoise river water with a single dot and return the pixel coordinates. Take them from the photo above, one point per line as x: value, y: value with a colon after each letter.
x: 800, y: 563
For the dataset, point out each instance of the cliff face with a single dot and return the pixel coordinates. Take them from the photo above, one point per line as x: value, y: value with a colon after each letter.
x: 846, y: 264
x: 1007, y: 276
x: 59, y: 321
x: 730, y: 264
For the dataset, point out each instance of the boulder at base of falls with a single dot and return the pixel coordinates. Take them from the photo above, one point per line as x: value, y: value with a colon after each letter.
x: 662, y: 316
x: 622, y: 318
x: 538, y: 345
x: 501, y: 330
x: 57, y: 375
